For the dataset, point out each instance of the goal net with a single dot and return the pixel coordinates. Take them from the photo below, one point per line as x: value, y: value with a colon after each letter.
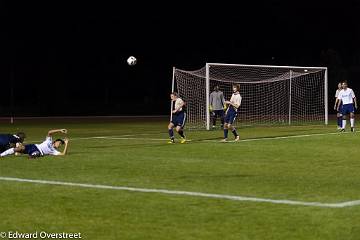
x: 270, y: 94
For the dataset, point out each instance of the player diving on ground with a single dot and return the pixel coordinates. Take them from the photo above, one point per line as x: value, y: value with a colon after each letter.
x: 48, y: 147
x: 231, y: 113
x: 178, y: 118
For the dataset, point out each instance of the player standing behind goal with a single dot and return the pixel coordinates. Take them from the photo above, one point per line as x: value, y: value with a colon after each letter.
x: 231, y: 113
x: 338, y: 114
x: 178, y: 118
x: 348, y: 100
x: 217, y: 103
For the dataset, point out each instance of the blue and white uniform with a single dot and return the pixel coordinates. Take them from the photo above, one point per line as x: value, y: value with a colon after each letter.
x: 44, y: 148
x: 179, y: 118
x: 231, y: 113
x: 347, y: 97
x: 6, y: 140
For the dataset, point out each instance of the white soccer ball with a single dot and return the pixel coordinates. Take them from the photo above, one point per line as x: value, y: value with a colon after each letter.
x: 131, y: 60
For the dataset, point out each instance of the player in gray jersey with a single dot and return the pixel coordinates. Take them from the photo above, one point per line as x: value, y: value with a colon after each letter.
x: 217, y: 103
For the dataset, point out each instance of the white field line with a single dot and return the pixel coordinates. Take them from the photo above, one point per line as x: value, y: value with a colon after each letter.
x: 287, y: 137
x: 185, y: 193
x: 115, y: 136
x: 123, y: 137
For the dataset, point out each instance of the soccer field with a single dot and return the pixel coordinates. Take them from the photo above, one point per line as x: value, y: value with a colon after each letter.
x: 121, y: 180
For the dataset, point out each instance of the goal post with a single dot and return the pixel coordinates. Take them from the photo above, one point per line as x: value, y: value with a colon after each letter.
x: 207, y: 96
x: 271, y: 95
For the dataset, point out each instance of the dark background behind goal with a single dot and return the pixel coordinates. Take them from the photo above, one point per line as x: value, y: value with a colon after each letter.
x: 70, y: 59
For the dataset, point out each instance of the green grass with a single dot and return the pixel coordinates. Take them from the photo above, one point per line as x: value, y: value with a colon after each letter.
x: 322, y: 168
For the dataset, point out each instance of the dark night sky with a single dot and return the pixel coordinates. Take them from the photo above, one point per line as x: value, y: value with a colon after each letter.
x: 71, y: 59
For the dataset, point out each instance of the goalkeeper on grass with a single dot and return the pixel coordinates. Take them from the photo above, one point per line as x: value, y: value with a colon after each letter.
x: 231, y: 113
x: 178, y: 118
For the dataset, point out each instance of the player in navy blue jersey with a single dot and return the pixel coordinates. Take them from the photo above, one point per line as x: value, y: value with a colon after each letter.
x: 10, y: 140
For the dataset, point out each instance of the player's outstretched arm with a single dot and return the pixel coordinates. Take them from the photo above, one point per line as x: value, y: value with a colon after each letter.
x: 65, y: 148
x: 51, y: 132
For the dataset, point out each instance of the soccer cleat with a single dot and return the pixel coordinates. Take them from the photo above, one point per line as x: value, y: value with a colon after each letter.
x: 183, y: 140
x: 224, y: 140
x: 353, y: 129
x: 171, y: 141
x: 342, y: 130
x: 338, y: 128
x: 237, y: 138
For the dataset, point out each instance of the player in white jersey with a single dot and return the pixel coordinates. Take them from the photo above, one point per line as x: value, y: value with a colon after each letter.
x: 48, y: 147
x: 338, y: 114
x: 348, y: 100
x: 231, y: 113
x: 178, y: 118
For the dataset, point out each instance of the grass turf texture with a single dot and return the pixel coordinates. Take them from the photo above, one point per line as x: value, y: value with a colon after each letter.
x: 318, y: 168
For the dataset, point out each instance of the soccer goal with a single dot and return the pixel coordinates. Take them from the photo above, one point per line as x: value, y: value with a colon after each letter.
x: 270, y: 94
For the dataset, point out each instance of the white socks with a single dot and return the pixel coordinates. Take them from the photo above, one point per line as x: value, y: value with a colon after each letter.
x: 352, y: 123
x: 7, y: 152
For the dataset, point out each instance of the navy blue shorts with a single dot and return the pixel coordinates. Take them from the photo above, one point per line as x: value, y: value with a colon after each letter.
x: 179, y: 119
x: 230, y: 116
x: 347, y: 108
x: 32, y: 150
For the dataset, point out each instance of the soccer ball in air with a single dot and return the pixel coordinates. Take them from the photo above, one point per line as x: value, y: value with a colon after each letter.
x: 131, y: 60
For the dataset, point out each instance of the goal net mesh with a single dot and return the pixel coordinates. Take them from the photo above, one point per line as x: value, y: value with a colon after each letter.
x: 270, y: 95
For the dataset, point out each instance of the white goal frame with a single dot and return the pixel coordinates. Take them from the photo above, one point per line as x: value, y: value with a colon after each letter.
x: 207, y: 85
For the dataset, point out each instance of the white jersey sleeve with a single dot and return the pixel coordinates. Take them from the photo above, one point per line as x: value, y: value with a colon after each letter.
x: 352, y: 93
x: 337, y: 93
